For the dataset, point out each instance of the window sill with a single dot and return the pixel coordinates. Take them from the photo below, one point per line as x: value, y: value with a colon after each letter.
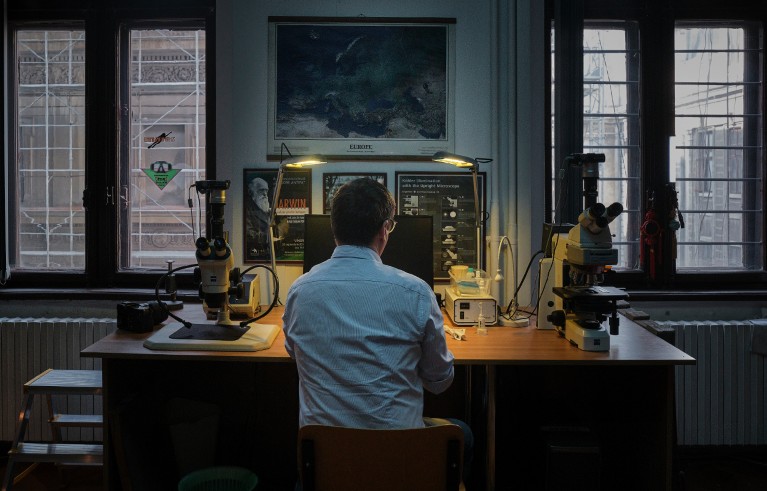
x: 696, y: 295
x: 92, y: 294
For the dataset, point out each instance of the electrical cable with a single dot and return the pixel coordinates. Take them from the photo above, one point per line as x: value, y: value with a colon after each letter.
x: 276, y: 296
x: 519, y: 286
x: 190, y: 202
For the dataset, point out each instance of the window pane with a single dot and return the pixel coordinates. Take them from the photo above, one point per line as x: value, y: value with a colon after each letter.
x: 50, y: 102
x: 167, y: 147
x: 716, y: 152
x: 608, y: 98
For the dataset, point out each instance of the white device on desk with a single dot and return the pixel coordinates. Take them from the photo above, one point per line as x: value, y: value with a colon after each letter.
x: 464, y: 310
x: 467, y: 297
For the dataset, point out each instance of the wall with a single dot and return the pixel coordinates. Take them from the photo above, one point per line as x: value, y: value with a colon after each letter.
x: 481, y: 75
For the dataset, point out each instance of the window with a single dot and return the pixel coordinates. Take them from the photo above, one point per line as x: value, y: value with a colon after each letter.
x: 74, y: 108
x: 716, y: 153
x: 694, y: 140
x: 610, y: 96
x: 166, y: 143
x: 50, y: 149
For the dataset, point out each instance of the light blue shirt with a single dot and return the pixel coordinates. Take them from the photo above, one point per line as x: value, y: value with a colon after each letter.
x: 367, y: 339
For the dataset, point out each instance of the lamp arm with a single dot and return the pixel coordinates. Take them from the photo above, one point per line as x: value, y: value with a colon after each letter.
x: 272, y: 216
x: 477, y: 222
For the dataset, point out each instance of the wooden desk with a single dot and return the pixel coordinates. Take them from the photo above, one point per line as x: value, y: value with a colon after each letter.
x: 539, y: 373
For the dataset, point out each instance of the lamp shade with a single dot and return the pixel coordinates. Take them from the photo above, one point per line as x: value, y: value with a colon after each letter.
x: 303, y: 161
x: 453, y: 159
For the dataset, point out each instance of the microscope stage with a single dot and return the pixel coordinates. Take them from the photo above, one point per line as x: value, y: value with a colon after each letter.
x: 257, y: 337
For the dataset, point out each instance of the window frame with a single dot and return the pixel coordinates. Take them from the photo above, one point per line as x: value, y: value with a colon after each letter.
x: 657, y: 21
x: 103, y: 22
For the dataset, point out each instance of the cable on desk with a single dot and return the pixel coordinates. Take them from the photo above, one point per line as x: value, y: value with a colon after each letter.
x: 275, y: 299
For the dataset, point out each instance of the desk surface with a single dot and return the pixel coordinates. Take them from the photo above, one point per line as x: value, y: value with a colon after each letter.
x: 634, y: 345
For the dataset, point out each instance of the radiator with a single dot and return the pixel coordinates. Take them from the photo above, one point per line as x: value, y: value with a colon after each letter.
x: 721, y: 399
x: 29, y: 346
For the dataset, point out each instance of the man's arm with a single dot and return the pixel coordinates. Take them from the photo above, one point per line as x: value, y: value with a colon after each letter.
x: 288, y: 318
x: 436, y: 366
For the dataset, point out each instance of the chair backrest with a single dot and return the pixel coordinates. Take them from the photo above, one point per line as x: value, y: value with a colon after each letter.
x: 332, y: 458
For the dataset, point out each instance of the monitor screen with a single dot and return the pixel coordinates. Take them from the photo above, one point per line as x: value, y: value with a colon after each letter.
x: 409, y: 248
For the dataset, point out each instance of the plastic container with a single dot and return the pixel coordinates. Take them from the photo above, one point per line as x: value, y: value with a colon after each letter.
x: 459, y: 270
x: 219, y: 479
x: 473, y: 282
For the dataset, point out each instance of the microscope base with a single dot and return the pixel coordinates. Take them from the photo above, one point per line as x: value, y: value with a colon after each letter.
x: 584, y: 338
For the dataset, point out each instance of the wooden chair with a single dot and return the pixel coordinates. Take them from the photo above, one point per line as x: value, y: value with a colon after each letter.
x: 332, y: 458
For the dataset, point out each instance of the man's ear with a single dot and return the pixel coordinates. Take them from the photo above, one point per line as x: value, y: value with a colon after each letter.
x: 379, y: 239
x: 382, y: 230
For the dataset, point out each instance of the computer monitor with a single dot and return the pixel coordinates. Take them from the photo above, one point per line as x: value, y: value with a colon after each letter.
x: 410, y: 246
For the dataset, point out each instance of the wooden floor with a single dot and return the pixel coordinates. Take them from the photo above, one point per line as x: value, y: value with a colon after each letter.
x: 694, y: 473
x: 50, y: 477
x: 746, y: 472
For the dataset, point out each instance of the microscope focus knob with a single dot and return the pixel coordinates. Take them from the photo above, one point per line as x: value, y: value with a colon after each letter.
x: 557, y: 318
x: 238, y: 290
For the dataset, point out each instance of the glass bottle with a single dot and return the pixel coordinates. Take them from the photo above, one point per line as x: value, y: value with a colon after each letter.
x: 481, y: 327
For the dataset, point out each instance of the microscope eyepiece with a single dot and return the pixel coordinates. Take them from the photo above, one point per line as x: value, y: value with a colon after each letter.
x: 203, y: 247
x: 596, y: 210
x: 614, y: 210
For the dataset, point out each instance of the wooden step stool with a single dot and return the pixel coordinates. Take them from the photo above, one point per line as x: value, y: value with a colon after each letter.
x: 48, y: 383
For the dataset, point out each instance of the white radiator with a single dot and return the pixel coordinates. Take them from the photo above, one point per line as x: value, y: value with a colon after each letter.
x: 29, y: 346
x: 721, y: 399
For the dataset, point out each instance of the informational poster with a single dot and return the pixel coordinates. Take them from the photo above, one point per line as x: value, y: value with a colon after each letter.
x: 449, y: 198
x: 292, y: 204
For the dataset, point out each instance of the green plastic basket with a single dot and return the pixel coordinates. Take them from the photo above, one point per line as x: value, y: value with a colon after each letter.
x: 219, y: 479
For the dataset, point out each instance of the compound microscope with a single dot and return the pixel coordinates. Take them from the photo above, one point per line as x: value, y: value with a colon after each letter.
x: 587, y: 251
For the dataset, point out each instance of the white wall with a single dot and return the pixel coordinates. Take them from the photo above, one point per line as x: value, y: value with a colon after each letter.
x: 242, y: 50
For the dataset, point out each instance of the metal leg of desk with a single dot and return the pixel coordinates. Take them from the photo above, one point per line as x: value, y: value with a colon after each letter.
x: 490, y: 388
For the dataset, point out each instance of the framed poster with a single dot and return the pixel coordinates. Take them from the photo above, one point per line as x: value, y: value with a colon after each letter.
x: 294, y: 202
x: 332, y: 181
x: 364, y: 88
x: 449, y: 198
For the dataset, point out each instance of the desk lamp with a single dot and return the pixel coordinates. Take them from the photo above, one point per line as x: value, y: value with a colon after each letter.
x: 468, y: 310
x: 473, y: 165
x: 290, y: 162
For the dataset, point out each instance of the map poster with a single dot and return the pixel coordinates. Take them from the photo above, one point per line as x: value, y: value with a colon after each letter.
x: 361, y: 88
x: 449, y: 198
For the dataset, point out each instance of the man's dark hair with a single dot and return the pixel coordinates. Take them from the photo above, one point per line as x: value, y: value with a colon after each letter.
x: 359, y: 209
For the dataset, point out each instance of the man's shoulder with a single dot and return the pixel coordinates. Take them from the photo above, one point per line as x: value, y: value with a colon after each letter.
x: 405, y: 279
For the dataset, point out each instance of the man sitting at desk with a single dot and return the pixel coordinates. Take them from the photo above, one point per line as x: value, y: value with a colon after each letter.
x: 367, y: 338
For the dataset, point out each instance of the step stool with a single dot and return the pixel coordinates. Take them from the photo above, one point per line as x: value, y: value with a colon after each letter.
x: 48, y: 383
